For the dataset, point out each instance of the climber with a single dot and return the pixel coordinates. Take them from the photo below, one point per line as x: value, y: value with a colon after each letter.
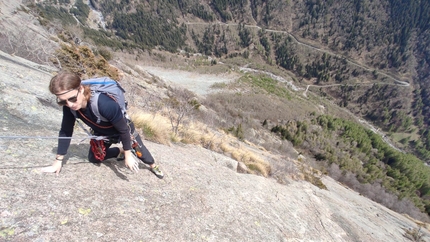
x: 98, y: 107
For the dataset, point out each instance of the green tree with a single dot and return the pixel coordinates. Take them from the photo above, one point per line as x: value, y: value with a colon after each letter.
x: 81, y: 11
x: 244, y: 35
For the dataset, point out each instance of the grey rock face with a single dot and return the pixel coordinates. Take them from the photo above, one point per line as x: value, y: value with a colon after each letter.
x: 201, y: 198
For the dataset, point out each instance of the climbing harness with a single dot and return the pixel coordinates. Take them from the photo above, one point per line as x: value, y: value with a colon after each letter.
x: 89, y: 136
x: 98, y: 148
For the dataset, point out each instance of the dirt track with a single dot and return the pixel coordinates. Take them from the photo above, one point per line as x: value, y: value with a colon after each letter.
x: 197, y: 83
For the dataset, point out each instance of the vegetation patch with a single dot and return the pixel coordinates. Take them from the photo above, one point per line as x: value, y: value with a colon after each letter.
x: 81, y: 59
x: 268, y: 84
x: 153, y: 127
x: 363, y: 154
x: 49, y: 13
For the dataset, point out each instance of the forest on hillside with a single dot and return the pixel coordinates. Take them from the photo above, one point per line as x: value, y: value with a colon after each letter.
x: 361, y: 159
x: 370, y: 50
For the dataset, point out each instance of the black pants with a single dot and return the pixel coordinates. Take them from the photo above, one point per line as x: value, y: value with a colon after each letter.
x: 114, y: 152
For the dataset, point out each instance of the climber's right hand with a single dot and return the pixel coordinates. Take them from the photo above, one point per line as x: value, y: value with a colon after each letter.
x: 54, y: 168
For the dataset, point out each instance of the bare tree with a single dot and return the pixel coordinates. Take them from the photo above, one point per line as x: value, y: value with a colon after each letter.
x: 180, y: 104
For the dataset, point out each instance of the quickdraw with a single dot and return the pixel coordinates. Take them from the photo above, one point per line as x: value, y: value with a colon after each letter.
x: 136, y: 149
x: 135, y: 145
x: 98, y: 148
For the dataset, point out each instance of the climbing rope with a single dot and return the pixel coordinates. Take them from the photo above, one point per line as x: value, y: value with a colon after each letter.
x: 53, y: 137
x: 89, y: 136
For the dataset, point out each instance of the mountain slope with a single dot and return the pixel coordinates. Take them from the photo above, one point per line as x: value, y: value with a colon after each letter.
x: 20, y: 116
x: 200, y: 198
x: 361, y: 45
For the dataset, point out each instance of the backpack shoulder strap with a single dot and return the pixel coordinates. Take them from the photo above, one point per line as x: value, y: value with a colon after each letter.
x: 94, y: 101
x: 94, y: 108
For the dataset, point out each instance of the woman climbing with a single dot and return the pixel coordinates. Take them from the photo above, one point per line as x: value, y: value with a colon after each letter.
x: 105, y: 116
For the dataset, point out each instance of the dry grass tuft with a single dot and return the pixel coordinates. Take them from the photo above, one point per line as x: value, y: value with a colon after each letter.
x: 418, y: 222
x: 227, y: 144
x: 157, y: 128
x: 310, y: 174
x: 414, y: 234
x: 154, y: 128
x: 256, y: 164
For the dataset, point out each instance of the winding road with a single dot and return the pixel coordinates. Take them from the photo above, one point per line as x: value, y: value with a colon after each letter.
x: 396, y: 81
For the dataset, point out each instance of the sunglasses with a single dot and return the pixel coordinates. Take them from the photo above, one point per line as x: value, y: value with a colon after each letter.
x: 70, y: 99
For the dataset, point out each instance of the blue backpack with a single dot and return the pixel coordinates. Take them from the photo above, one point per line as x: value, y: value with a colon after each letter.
x: 109, y: 87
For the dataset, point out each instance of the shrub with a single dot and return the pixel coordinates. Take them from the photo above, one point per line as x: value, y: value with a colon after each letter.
x: 312, y: 175
x: 105, y: 53
x: 414, y: 234
x: 82, y: 60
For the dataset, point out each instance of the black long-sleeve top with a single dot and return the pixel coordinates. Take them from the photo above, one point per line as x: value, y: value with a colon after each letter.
x: 109, y: 109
